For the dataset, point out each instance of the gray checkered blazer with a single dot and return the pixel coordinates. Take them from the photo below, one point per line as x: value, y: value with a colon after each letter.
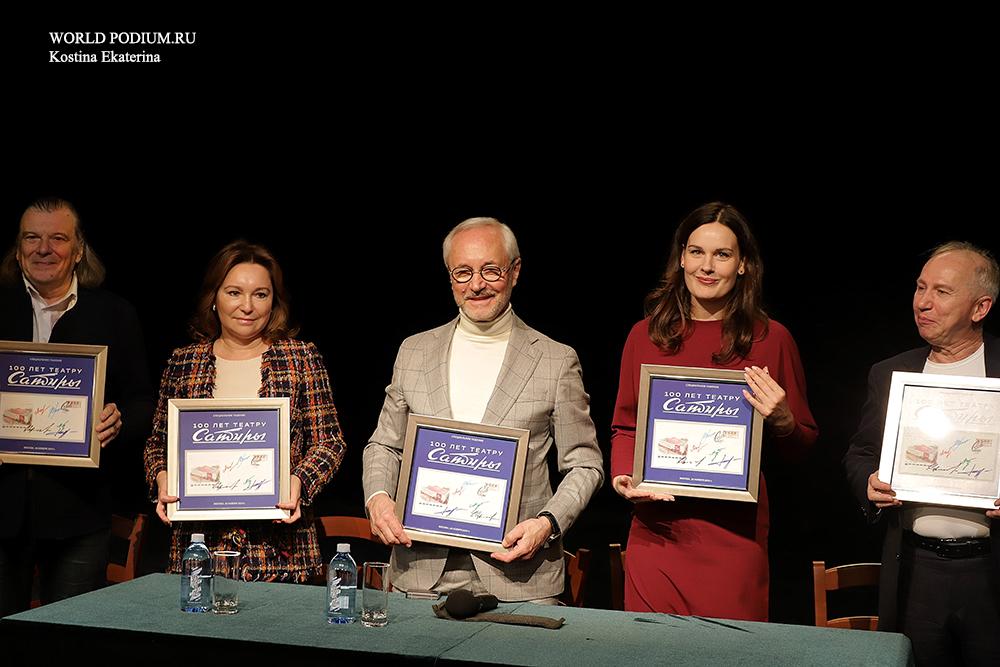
x: 540, y: 388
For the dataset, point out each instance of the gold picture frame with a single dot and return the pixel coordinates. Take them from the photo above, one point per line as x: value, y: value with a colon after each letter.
x: 51, y: 399
x: 696, y: 434
x: 228, y: 458
x: 460, y: 482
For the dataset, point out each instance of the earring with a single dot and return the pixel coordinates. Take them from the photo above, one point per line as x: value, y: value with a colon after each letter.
x: 213, y: 307
x: 740, y: 272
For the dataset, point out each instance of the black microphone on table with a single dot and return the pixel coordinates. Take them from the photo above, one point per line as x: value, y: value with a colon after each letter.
x: 463, y: 604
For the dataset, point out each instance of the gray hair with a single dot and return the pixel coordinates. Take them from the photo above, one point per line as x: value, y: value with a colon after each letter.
x: 509, y: 241
x: 987, y: 271
x: 89, y: 270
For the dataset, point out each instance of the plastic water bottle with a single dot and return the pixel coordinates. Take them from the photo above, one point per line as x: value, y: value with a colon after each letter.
x: 341, y: 587
x: 196, y: 576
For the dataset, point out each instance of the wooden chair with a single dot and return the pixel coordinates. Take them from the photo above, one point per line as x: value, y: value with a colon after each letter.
x: 838, y: 578
x: 123, y: 529
x: 358, y: 528
x: 130, y: 530
x: 577, y: 567
x: 616, y: 556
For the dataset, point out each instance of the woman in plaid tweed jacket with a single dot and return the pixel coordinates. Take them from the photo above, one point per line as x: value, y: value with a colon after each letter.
x: 272, y: 551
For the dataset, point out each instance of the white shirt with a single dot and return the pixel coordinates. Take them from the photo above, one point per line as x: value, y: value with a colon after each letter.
x: 45, y: 315
x: 936, y: 520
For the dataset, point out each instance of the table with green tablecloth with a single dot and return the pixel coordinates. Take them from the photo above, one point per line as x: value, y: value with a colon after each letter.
x: 140, y: 621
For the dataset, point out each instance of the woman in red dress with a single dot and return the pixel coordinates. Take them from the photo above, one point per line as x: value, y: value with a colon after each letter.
x: 696, y: 556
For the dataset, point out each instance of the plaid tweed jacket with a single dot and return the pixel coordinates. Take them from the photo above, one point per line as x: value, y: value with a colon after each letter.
x: 540, y: 388
x: 271, y: 552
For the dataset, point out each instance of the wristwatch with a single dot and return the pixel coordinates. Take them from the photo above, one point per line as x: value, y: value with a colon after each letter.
x: 556, y: 533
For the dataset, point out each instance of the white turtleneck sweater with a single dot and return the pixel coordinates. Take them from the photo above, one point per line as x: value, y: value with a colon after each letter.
x: 477, y: 352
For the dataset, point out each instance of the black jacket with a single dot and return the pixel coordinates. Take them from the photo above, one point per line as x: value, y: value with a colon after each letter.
x: 862, y: 459
x: 60, y: 502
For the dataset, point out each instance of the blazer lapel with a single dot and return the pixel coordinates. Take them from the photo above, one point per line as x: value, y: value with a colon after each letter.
x: 914, y: 362
x: 518, y: 366
x: 436, y: 368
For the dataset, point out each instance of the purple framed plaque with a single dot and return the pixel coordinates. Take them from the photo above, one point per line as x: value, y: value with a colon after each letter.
x: 228, y: 458
x: 51, y: 398
x: 460, y: 483
x: 696, y: 434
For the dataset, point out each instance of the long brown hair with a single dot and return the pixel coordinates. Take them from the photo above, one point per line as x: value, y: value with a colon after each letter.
x: 205, y: 323
x: 668, y: 306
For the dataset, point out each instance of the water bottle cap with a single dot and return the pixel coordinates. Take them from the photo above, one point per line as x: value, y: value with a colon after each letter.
x: 198, y: 537
x: 343, y: 548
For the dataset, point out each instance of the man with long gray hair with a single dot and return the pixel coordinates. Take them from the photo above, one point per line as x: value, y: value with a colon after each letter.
x: 59, y: 518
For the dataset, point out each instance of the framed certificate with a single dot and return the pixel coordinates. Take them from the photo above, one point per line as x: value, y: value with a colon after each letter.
x: 228, y: 458
x: 940, y: 443
x: 696, y: 434
x: 460, y: 483
x: 51, y: 398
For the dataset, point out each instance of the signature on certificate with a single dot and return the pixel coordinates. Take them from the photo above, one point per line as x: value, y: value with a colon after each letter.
x: 235, y: 472
x: 962, y: 457
x: 46, y: 418
x: 459, y: 497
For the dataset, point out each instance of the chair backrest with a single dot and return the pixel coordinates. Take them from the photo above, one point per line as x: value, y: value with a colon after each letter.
x: 130, y: 530
x: 344, y: 526
x: 838, y: 578
x: 577, y: 567
x: 350, y: 528
x: 616, y: 557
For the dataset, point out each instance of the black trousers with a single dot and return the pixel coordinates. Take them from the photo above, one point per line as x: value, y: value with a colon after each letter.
x: 949, y: 608
x: 66, y: 567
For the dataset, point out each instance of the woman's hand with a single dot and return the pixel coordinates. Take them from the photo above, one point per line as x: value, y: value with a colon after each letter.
x: 622, y: 484
x: 162, y: 498
x: 768, y: 398
x: 294, y: 504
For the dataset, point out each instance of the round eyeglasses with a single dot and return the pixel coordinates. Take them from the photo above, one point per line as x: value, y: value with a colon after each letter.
x: 490, y: 273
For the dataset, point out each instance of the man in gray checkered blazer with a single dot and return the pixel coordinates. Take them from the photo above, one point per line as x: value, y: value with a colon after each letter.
x: 488, y: 366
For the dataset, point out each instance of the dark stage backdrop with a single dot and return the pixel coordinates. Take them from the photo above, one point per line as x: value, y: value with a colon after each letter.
x: 352, y: 171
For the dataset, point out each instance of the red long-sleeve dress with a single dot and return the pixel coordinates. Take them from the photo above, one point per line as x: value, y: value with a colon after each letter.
x: 696, y: 556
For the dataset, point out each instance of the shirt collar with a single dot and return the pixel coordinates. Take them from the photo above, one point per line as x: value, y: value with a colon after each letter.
x: 63, y: 303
